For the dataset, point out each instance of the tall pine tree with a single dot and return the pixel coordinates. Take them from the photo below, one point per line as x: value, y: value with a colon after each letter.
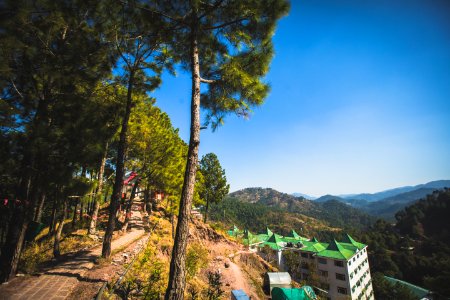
x: 227, y: 45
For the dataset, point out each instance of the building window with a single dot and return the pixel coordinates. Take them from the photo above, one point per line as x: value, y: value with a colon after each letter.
x: 351, y: 275
x: 324, y: 286
x: 349, y: 262
x: 323, y: 273
x: 305, y: 255
x: 311, y: 256
x: 342, y: 290
x: 340, y: 276
x: 322, y: 261
x: 338, y: 263
x: 354, y: 259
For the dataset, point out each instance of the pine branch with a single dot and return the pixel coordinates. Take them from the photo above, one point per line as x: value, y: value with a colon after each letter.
x: 17, y: 91
x: 208, y: 80
x: 157, y: 12
x: 225, y: 24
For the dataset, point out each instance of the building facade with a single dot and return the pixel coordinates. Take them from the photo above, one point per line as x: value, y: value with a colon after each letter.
x: 340, y: 269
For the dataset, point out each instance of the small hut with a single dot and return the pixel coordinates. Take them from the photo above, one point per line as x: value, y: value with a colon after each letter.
x: 276, y: 279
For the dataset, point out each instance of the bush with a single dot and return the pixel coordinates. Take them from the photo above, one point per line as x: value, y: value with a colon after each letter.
x: 196, y: 259
x: 214, y: 291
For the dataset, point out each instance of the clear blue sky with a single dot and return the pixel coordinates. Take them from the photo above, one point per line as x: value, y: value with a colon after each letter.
x: 360, y: 101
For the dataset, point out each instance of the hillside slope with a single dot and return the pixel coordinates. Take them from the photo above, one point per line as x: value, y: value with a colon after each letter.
x: 257, y: 217
x: 208, y: 252
x: 417, y: 248
x: 335, y: 213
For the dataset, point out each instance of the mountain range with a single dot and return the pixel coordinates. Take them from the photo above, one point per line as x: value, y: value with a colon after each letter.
x: 386, y: 203
x: 336, y: 213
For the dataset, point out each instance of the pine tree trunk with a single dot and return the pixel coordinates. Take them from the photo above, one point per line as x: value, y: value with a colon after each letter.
x: 22, y: 215
x: 147, y: 203
x: 27, y: 187
x: 128, y: 210
x: 118, y: 183
x: 52, y: 228
x: 177, y: 275
x: 98, y: 193
x: 56, y: 251
x: 81, y: 211
x: 75, y: 214
x: 205, y: 217
x: 13, y: 245
x: 39, y: 208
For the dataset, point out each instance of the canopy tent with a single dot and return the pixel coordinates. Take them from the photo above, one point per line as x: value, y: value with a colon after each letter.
x: 304, y: 293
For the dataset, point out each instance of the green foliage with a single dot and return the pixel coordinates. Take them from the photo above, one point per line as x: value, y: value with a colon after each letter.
x: 254, y: 217
x: 383, y: 289
x: 417, y: 248
x: 214, y: 181
x: 156, y: 151
x: 146, y: 278
x: 214, y: 291
x: 337, y: 214
x: 196, y: 259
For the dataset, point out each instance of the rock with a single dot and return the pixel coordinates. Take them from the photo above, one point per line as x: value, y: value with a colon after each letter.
x: 227, y: 265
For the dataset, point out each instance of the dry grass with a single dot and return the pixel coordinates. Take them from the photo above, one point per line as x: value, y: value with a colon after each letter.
x: 37, y: 253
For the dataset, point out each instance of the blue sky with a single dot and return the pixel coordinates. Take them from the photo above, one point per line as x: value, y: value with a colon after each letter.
x: 360, y: 101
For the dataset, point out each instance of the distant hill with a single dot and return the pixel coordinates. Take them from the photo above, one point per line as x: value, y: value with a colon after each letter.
x: 385, y: 204
x: 438, y: 184
x: 257, y: 217
x: 304, y: 196
x: 330, y: 197
x: 336, y: 213
x: 386, y: 208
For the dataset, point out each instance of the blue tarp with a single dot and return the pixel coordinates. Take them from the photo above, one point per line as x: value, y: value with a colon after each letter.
x: 239, y: 295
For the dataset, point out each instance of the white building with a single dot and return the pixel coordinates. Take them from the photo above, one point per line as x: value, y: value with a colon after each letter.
x: 342, y: 268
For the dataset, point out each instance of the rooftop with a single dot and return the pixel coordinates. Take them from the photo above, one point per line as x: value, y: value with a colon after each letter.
x: 342, y: 250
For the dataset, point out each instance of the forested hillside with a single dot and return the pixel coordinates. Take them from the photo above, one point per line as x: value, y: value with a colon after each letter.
x: 387, y: 203
x: 415, y: 249
x: 257, y: 217
x: 335, y: 213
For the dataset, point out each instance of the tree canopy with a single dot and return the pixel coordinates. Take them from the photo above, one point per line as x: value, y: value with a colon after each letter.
x: 215, y: 186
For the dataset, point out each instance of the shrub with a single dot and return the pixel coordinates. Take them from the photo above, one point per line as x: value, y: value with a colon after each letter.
x: 196, y: 259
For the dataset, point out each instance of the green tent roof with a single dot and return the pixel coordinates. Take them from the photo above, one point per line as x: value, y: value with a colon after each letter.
x: 304, y: 293
x: 314, y: 247
x: 295, y: 235
x: 416, y: 290
x: 275, y: 242
x: 336, y: 251
x: 349, y: 240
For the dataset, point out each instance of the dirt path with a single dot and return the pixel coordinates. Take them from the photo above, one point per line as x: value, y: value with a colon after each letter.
x: 240, y: 281
x: 60, y: 281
